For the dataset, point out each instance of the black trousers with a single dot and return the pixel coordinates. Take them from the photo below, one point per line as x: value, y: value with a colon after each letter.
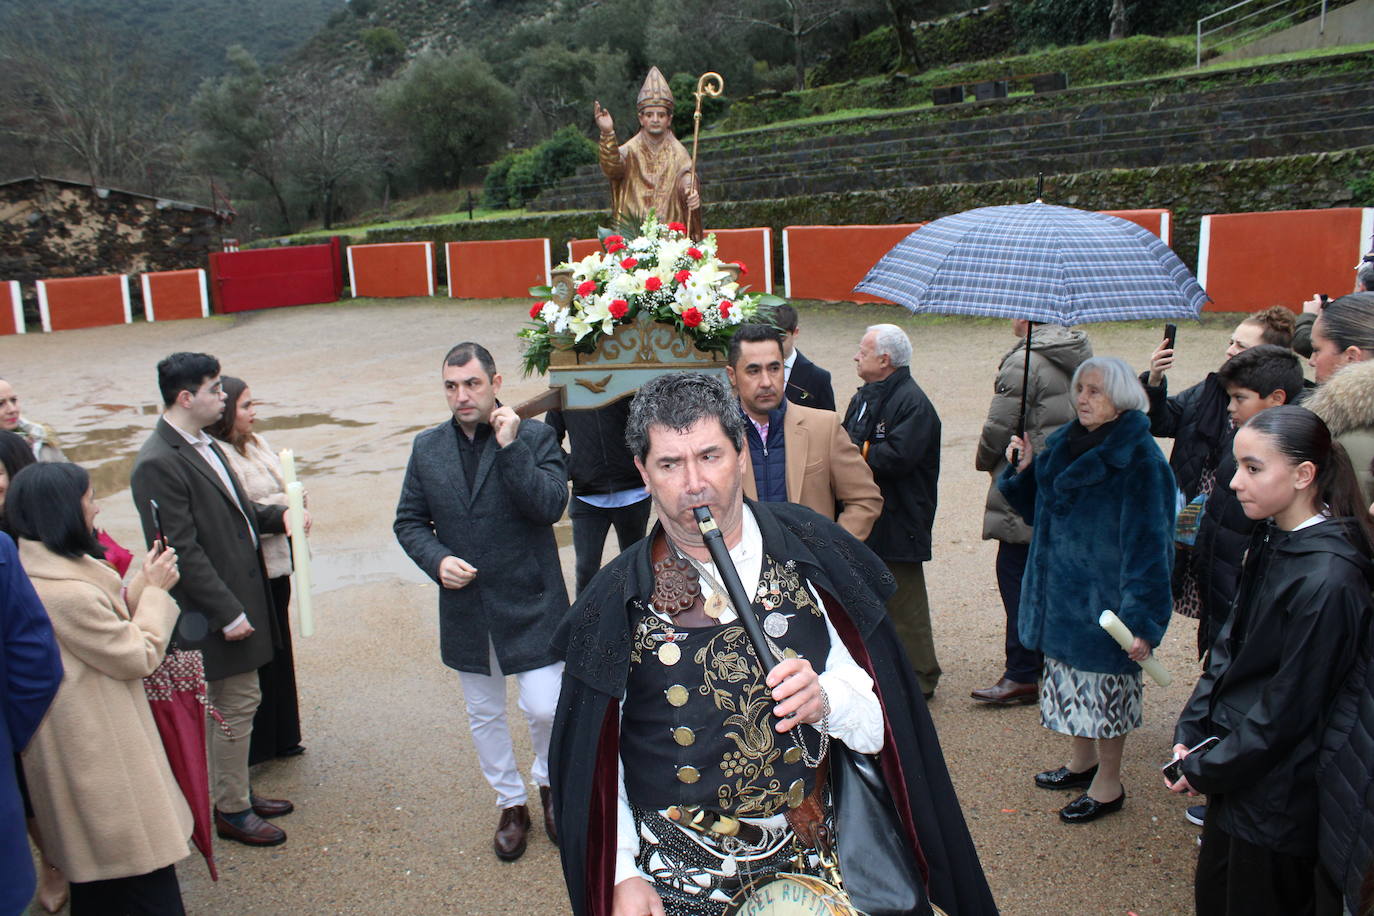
x: 277, y: 723
x: 590, y: 525
x: 1023, y: 665
x: 1237, y: 878
x: 155, y: 894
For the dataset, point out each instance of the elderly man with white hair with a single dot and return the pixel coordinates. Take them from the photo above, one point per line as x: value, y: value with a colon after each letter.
x: 897, y: 430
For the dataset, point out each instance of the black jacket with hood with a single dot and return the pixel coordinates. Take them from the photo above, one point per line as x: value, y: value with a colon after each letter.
x: 1290, y: 645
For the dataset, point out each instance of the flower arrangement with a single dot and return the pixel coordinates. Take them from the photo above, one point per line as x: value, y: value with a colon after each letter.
x: 662, y: 275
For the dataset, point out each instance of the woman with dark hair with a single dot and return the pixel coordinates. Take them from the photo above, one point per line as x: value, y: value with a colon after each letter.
x: 15, y: 455
x: 277, y: 723
x: 1100, y: 502
x: 1342, y: 344
x: 1289, y: 647
x: 109, y: 810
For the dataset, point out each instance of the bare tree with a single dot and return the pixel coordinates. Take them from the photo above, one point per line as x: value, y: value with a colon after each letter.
x: 1119, y: 27
x: 333, y: 139
x: 797, y: 19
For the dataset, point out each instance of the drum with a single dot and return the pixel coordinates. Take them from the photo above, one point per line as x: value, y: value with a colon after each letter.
x: 786, y: 894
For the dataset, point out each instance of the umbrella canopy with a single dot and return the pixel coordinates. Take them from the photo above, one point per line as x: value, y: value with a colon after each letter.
x: 1038, y: 262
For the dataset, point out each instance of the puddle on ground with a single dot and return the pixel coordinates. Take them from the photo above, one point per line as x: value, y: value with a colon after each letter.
x: 303, y: 420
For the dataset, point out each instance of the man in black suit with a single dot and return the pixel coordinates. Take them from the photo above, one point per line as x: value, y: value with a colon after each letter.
x: 226, y: 608
x: 806, y: 383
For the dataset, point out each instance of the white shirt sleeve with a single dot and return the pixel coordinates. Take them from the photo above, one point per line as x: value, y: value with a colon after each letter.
x: 626, y: 841
x: 856, y: 718
x: 242, y: 618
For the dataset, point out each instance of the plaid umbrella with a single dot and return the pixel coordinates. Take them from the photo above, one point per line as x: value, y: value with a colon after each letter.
x: 1038, y: 262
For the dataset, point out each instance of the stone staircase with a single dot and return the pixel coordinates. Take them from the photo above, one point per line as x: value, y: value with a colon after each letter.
x: 986, y: 141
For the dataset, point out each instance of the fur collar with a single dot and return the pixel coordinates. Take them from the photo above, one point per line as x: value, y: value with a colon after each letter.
x: 1117, y: 451
x: 1346, y: 401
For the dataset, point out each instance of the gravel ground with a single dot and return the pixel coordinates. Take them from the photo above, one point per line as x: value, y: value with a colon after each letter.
x: 392, y: 812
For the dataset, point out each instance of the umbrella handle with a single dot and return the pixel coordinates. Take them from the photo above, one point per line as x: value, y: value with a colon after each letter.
x: 1025, y: 387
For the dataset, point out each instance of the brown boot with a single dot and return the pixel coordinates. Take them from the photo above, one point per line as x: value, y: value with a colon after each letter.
x: 546, y: 798
x: 512, y: 833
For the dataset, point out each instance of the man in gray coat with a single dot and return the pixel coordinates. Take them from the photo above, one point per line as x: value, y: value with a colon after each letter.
x: 226, y: 607
x: 476, y: 513
x: 1055, y: 353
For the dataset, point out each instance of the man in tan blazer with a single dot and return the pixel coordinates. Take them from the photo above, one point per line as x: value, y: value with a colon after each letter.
x: 796, y: 454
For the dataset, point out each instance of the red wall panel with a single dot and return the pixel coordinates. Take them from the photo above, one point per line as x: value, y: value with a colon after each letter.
x: 264, y: 278
x: 825, y: 262
x: 496, y: 270
x: 170, y: 294
x: 11, y: 308
x: 391, y: 270
x: 84, y: 302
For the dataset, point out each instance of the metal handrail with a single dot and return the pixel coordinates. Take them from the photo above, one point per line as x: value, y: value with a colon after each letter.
x: 1202, y: 33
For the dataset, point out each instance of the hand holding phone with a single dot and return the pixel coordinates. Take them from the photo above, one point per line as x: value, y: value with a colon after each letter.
x: 158, y: 536
x: 1170, y: 335
x: 1173, y: 770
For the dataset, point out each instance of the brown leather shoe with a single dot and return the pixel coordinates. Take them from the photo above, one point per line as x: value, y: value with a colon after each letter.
x: 270, y: 807
x: 512, y: 833
x: 254, y: 832
x: 546, y: 799
x: 1007, y: 693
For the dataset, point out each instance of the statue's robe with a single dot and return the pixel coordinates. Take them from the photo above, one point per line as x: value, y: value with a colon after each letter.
x: 646, y: 176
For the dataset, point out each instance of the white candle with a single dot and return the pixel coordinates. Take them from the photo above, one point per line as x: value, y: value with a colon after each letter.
x: 288, y: 465
x: 1118, y: 630
x: 300, y: 554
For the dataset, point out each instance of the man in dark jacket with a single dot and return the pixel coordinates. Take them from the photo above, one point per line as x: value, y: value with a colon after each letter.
x: 807, y: 383
x: 225, y: 602
x: 605, y: 485
x: 897, y: 431
x: 481, y: 493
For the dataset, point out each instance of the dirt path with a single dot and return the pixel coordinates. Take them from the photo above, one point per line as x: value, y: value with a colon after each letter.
x: 393, y: 814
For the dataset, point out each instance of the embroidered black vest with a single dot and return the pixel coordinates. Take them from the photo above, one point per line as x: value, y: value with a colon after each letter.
x: 697, y: 727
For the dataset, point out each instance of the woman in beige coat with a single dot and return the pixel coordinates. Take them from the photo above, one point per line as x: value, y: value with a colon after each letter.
x: 110, y: 812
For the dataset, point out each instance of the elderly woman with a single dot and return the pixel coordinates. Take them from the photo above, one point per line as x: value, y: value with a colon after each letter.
x: 277, y: 723
x: 109, y: 810
x: 1100, y: 503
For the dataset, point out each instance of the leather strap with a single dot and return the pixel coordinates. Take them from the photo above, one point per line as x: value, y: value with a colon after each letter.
x: 807, y: 820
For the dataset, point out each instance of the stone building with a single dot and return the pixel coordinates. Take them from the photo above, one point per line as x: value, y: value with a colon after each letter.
x: 51, y: 228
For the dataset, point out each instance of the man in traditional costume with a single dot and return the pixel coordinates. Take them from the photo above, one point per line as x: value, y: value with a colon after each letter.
x: 652, y: 170
x: 664, y: 709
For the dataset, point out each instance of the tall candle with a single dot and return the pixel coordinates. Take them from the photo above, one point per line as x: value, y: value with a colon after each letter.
x: 300, y: 554
x: 1122, y: 634
x: 288, y: 465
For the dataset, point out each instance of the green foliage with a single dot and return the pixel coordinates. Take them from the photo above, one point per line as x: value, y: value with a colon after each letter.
x: 1362, y: 190
x: 362, y: 8
x: 1064, y: 22
x: 684, y: 86
x: 385, y: 50
x: 517, y: 178
x: 452, y: 110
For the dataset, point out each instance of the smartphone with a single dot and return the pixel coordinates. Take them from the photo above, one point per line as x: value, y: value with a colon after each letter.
x: 1170, y: 335
x: 1173, y: 770
x: 157, y: 524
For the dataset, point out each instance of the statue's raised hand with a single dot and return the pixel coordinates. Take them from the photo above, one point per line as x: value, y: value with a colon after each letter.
x: 603, y: 118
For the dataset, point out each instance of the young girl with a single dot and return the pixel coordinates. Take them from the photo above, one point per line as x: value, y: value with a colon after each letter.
x: 1292, y: 639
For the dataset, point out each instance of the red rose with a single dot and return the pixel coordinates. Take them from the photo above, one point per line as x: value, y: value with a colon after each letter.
x: 653, y: 284
x: 613, y: 248
x: 692, y: 317
x: 630, y: 263
x: 534, y: 310
x: 743, y: 271
x: 676, y: 227
x: 682, y: 276
x: 694, y: 254
x: 618, y: 308
x: 586, y: 287
x: 725, y: 305
x: 614, y: 240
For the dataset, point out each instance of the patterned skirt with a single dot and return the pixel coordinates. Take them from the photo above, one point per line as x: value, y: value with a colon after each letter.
x: 1089, y: 704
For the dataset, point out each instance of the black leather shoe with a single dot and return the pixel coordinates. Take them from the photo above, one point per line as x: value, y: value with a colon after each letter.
x: 546, y: 800
x: 1086, y: 808
x: 511, y: 833
x: 270, y: 807
x: 1007, y: 693
x: 254, y: 831
x: 294, y: 750
x: 1065, y: 778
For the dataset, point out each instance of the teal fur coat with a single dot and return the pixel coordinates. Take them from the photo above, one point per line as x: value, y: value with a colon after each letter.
x: 1103, y: 527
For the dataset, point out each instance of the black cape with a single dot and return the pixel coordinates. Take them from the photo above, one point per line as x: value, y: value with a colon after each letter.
x: 594, y: 641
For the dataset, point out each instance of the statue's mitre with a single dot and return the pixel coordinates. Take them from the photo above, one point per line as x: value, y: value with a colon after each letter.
x: 655, y: 91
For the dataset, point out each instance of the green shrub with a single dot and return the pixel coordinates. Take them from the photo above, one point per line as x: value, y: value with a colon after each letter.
x: 384, y: 47
x: 1362, y: 191
x: 517, y: 178
x: 684, y: 86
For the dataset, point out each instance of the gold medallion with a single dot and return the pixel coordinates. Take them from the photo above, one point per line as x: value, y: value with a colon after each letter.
x: 796, y: 793
x: 791, y: 755
x: 687, y: 775
x: 677, y: 695
x: 669, y: 653
x: 789, y: 653
x: 715, y: 606
x: 684, y: 736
